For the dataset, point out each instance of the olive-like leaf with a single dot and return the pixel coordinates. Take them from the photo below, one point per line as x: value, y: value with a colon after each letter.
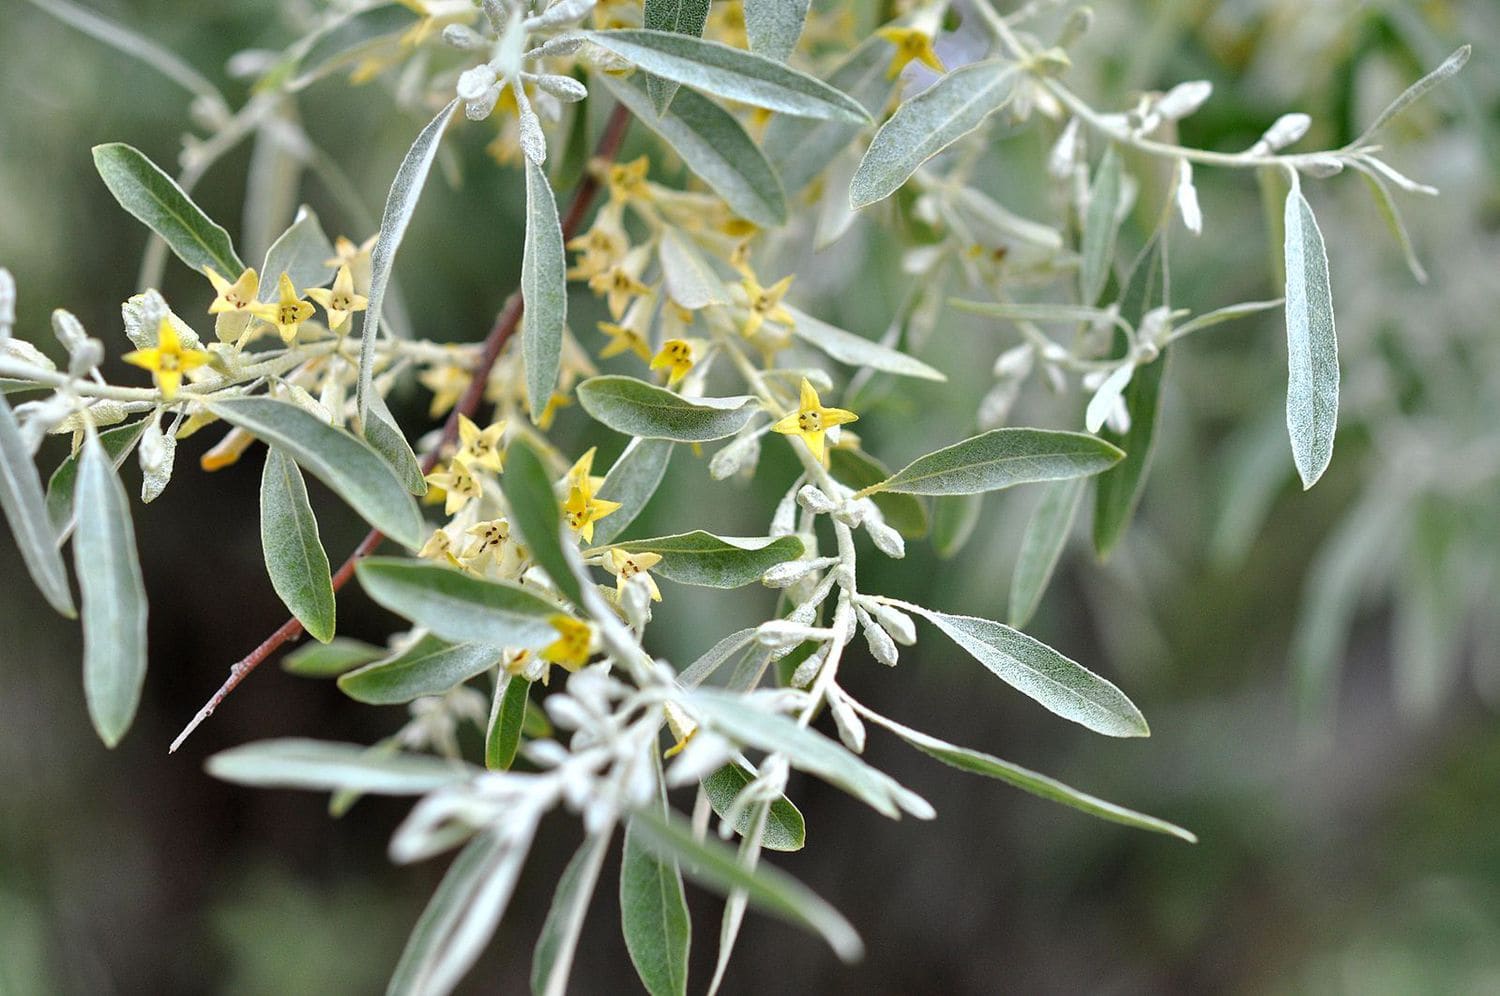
x: 1118, y: 490
x: 431, y: 666
x: 553, y: 957
x: 857, y: 351
x: 683, y: 17
x: 637, y: 408
x: 507, y: 722
x: 785, y: 829
x: 772, y: 27
x: 654, y: 917
x: 457, y: 606
x: 631, y: 481
x: 1041, y: 546
x: 702, y: 558
x: 1101, y: 224
x: 544, y: 289
x: 155, y: 199
x: 26, y: 509
x: 323, y: 765
x: 534, y: 512
x: 295, y: 558
x: 1001, y: 458
x: 1312, y: 394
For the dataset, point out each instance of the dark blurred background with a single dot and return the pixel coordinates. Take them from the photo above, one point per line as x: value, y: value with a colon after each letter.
x: 1351, y: 849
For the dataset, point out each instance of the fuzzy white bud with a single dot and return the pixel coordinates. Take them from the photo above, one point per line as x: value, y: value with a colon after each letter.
x: 1283, y: 132
x: 1183, y: 99
x: 815, y: 500
x: 887, y: 540
x: 896, y: 622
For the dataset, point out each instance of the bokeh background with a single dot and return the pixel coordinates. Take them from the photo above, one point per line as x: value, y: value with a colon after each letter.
x: 1347, y: 848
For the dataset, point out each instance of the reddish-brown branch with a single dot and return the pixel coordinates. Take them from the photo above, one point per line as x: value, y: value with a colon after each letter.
x: 506, y: 323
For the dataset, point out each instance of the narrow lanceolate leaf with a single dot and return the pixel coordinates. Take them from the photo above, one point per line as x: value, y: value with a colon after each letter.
x: 785, y: 830
x: 637, y: 408
x: 1030, y: 781
x: 508, y: 718
x: 155, y: 199
x: 25, y: 509
x: 544, y: 290
x: 1312, y: 395
x: 431, y: 666
x: 633, y: 479
x: 400, y: 205
x: 806, y: 750
x: 1041, y: 545
x: 857, y: 351
x: 715, y: 561
x: 715, y: 147
x: 456, y: 606
x: 294, y: 555
x: 773, y: 26
x: 325, y: 766
x: 329, y: 660
x: 117, y: 442
x: 1413, y: 93
x: 1118, y: 490
x: 347, y: 465
x: 683, y: 17
x: 1060, y: 684
x: 689, y: 276
x: 858, y: 469
x: 301, y: 252
x: 715, y: 865
x: 1101, y: 223
x: 461, y: 917
x: 654, y: 917
x: 1392, y: 215
x: 954, y: 518
x: 927, y: 124
x: 386, y: 438
x: 534, y: 512
x: 1002, y: 458
x: 729, y: 72
x: 340, y: 44
x: 553, y: 958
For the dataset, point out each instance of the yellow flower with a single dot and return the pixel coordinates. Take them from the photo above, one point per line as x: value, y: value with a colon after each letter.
x: 911, y: 43
x: 627, y: 181
x: 288, y: 313
x: 549, y: 412
x: 227, y: 451
x: 622, y: 339
x: 341, y: 301
x: 439, y: 546
x: 811, y: 420
x: 356, y: 258
x: 603, y: 245
x: 232, y: 298
x: 619, y: 286
x: 677, y: 355
x: 574, y: 643
x: 447, y: 384
x: 682, y: 727
x: 167, y: 360
x: 582, y: 510
x: 581, y: 474
x: 625, y: 566
x: 481, y: 447
x: 458, y: 483
x: 491, y: 545
x: 765, y: 303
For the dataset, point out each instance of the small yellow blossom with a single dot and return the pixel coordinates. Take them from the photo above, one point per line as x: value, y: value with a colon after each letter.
x: 447, y: 384
x: 356, y: 258
x: 581, y: 474
x: 619, y: 286
x: 517, y: 662
x: 288, y: 313
x: 167, y: 360
x: 574, y: 643
x: 582, y: 510
x: 623, y: 339
x: 481, y: 447
x: 458, y: 483
x: 678, y: 357
x: 625, y: 566
x: 765, y: 303
x: 811, y: 420
x: 491, y: 545
x: 627, y: 181
x: 683, y: 728
x: 227, y: 451
x: 603, y: 245
x: 911, y: 43
x: 232, y: 298
x: 549, y: 411
x: 341, y: 301
x: 439, y: 546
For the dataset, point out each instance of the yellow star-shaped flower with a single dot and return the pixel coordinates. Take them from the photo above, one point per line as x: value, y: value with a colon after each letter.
x: 622, y: 339
x: 765, y: 303
x: 619, y: 286
x: 481, y: 447
x: 288, y: 313
x: 581, y: 474
x: 549, y: 411
x: 574, y: 644
x: 356, y: 258
x: 678, y: 357
x: 340, y: 301
x: 582, y: 510
x: 911, y: 44
x: 459, y: 486
x: 627, y: 181
x: 625, y: 566
x: 167, y: 360
x: 232, y: 298
x: 811, y: 420
x: 447, y: 384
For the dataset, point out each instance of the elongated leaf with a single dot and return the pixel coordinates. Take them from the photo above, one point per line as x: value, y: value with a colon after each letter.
x: 1101, y: 223
x: 544, y: 289
x: 729, y: 72
x: 1041, y: 545
x: 553, y: 959
x: 347, y: 465
x: 928, y: 123
x: 654, y: 917
x: 1002, y: 458
x: 26, y: 509
x: 155, y: 200
x: 386, y: 438
x: 534, y: 511
x: 633, y: 479
x: 301, y: 252
x: 714, y: 658
x: 1030, y: 781
x: 329, y: 660
x: 457, y: 606
x: 715, y: 561
x: 857, y: 351
x: 1392, y: 215
x: 683, y: 17
x: 1118, y: 490
x: 1039, y: 311
x: 773, y: 26
x: 114, y: 596
x: 1219, y: 315
x: 715, y: 147
x: 858, y: 469
x: 341, y: 43
x: 689, y: 277
x: 1060, y: 684
x: 953, y: 520
x: 400, y: 204
x: 294, y: 554
x: 326, y: 766
x: 711, y: 863
x: 1450, y: 67
x: 431, y: 666
x: 1312, y: 394
x: 461, y: 917
x: 507, y: 721
x: 785, y: 829
x: 637, y: 408
x: 117, y: 443
x: 806, y: 750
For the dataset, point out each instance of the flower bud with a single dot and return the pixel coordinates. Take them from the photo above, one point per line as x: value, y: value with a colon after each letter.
x: 882, y: 647
x: 894, y: 621
x: 814, y: 500
x: 1183, y: 99
x: 887, y: 540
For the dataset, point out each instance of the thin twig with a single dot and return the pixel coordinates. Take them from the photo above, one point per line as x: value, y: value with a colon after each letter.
x: 506, y: 323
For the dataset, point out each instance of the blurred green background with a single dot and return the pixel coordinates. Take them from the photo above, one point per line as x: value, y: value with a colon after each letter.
x: 1352, y: 849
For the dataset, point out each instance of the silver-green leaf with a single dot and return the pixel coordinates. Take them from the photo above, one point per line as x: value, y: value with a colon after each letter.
x: 1101, y: 224
x: 1041, y: 545
x: 457, y: 606
x: 785, y: 829
x: 301, y: 252
x: 654, y: 917
x: 295, y: 558
x: 637, y: 408
x: 155, y: 199
x: 857, y: 351
x: 326, y: 766
x: 631, y: 481
x: 431, y: 666
x: 534, y: 513
x: 1312, y: 395
x: 773, y: 26
x: 25, y: 508
x: 702, y: 558
x: 683, y: 17
x: 553, y: 958
x: 544, y: 289
x: 1002, y: 458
